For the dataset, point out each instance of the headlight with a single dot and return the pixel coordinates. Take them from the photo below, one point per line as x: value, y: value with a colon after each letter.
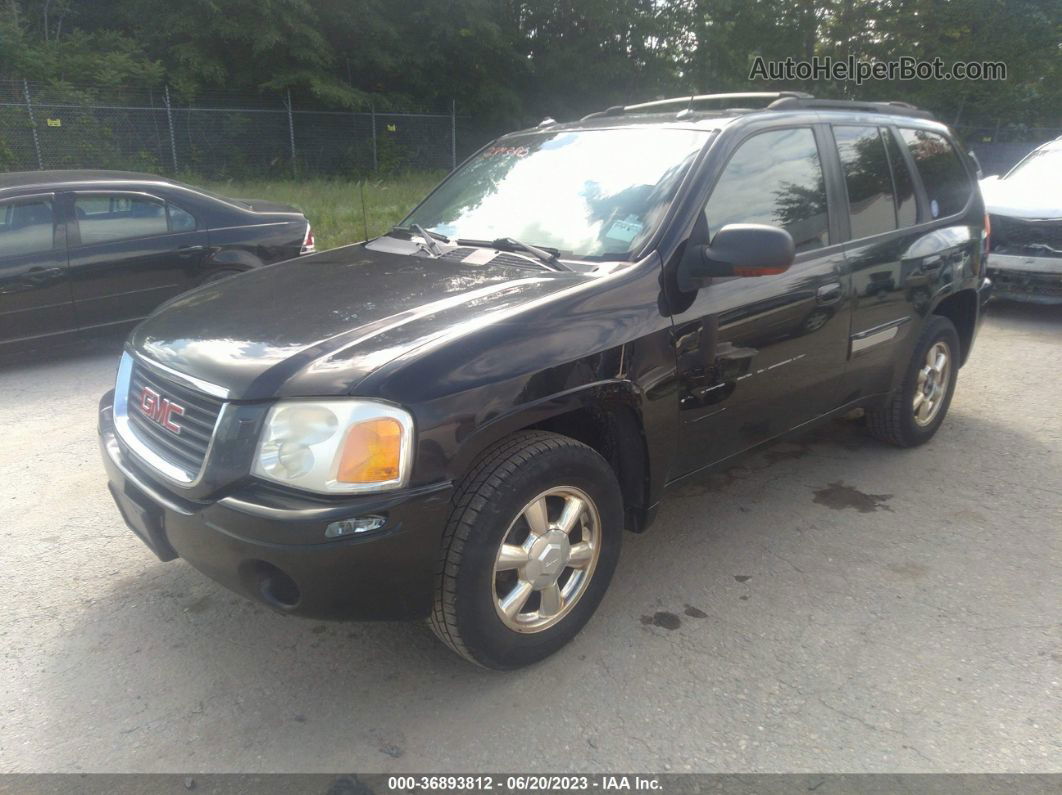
x: 336, y: 446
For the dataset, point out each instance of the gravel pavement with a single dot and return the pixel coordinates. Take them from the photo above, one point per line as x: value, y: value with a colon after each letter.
x: 826, y: 605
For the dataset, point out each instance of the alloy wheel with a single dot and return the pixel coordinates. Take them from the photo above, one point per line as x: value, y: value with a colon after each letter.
x: 546, y: 559
x: 932, y: 384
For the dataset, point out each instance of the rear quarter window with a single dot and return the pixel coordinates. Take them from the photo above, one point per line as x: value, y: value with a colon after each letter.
x: 179, y: 220
x: 947, y: 184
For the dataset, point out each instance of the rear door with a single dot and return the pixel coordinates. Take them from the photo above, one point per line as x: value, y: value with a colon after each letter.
x: 129, y: 252
x: 907, y: 191
x: 35, y: 295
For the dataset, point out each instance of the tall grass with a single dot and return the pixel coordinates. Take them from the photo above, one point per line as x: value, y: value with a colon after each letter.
x: 334, y: 205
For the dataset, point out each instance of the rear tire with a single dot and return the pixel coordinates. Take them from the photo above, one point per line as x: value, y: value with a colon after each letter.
x: 917, y: 408
x: 529, y: 549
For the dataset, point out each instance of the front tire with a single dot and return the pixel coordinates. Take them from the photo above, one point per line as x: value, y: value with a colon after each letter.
x: 529, y: 549
x: 916, y: 410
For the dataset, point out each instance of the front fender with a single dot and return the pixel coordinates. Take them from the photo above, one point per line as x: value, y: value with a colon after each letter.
x: 600, y: 394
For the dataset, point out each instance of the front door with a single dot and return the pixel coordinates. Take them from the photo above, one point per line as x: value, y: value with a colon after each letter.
x: 35, y: 298
x: 758, y: 356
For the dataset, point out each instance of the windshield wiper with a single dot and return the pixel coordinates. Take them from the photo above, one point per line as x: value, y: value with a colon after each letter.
x: 429, y: 238
x: 547, y: 256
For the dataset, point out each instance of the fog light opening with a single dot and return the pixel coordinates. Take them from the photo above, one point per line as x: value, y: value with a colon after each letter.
x: 276, y: 588
x: 356, y: 526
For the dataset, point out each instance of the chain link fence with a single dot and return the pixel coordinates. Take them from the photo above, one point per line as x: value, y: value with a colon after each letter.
x: 226, y: 134
x: 219, y: 134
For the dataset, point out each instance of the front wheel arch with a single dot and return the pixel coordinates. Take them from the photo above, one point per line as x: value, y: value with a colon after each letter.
x: 606, y: 417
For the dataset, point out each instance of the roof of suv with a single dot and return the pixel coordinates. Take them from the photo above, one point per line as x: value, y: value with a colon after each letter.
x: 716, y: 111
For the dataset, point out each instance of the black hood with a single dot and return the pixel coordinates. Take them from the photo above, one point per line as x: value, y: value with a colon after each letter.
x: 318, y: 325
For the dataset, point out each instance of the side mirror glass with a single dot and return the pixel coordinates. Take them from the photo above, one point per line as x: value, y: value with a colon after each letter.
x: 737, y: 250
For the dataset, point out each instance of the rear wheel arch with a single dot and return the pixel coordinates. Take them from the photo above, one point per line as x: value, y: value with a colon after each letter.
x: 961, y: 309
x: 226, y: 261
x: 232, y: 258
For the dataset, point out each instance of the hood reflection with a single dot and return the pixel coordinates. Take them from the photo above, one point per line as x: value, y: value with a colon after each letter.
x: 330, y: 319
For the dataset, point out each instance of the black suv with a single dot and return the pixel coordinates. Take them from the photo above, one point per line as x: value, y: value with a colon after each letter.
x: 458, y: 419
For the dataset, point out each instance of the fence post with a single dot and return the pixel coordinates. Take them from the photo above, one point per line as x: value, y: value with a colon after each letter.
x: 291, y: 135
x: 375, y: 162
x: 33, y: 125
x: 453, y: 134
x: 169, y: 122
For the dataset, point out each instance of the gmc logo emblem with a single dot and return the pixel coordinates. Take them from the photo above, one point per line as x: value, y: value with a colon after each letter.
x: 159, y: 409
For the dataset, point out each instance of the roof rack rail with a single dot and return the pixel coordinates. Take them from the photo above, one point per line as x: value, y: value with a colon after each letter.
x: 688, y: 102
x: 713, y: 98
x: 894, y: 107
x: 779, y: 100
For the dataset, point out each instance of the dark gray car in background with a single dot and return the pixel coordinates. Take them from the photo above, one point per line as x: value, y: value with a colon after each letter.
x: 88, y: 251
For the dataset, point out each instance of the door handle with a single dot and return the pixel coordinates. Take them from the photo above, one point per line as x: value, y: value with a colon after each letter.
x: 829, y: 293
x: 184, y: 251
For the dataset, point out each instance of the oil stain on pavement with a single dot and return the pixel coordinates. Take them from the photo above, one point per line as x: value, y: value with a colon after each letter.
x: 662, y: 618
x: 839, y: 496
x: 668, y: 620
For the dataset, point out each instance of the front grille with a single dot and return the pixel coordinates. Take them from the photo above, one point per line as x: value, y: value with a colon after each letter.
x: 187, y: 449
x: 1025, y: 237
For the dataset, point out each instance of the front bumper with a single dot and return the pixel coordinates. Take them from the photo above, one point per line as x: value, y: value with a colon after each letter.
x: 1034, y: 279
x: 269, y: 544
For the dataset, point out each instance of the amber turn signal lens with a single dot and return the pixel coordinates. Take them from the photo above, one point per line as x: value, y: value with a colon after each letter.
x: 371, y: 452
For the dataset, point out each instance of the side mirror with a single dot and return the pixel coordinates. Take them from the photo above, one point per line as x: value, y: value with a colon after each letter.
x: 737, y: 250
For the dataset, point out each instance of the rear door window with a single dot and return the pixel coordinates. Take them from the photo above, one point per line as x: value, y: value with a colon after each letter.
x: 774, y: 178
x: 27, y: 226
x: 906, y: 204
x: 871, y: 205
x: 102, y: 218
x: 947, y: 184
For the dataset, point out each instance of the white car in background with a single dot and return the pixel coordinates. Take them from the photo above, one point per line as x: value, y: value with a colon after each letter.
x: 1025, y: 211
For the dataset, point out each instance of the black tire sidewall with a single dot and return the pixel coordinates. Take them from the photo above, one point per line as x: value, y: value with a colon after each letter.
x: 482, y: 631
x: 940, y: 329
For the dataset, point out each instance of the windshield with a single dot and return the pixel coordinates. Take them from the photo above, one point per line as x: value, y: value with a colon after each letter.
x: 1039, y: 168
x: 592, y: 193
